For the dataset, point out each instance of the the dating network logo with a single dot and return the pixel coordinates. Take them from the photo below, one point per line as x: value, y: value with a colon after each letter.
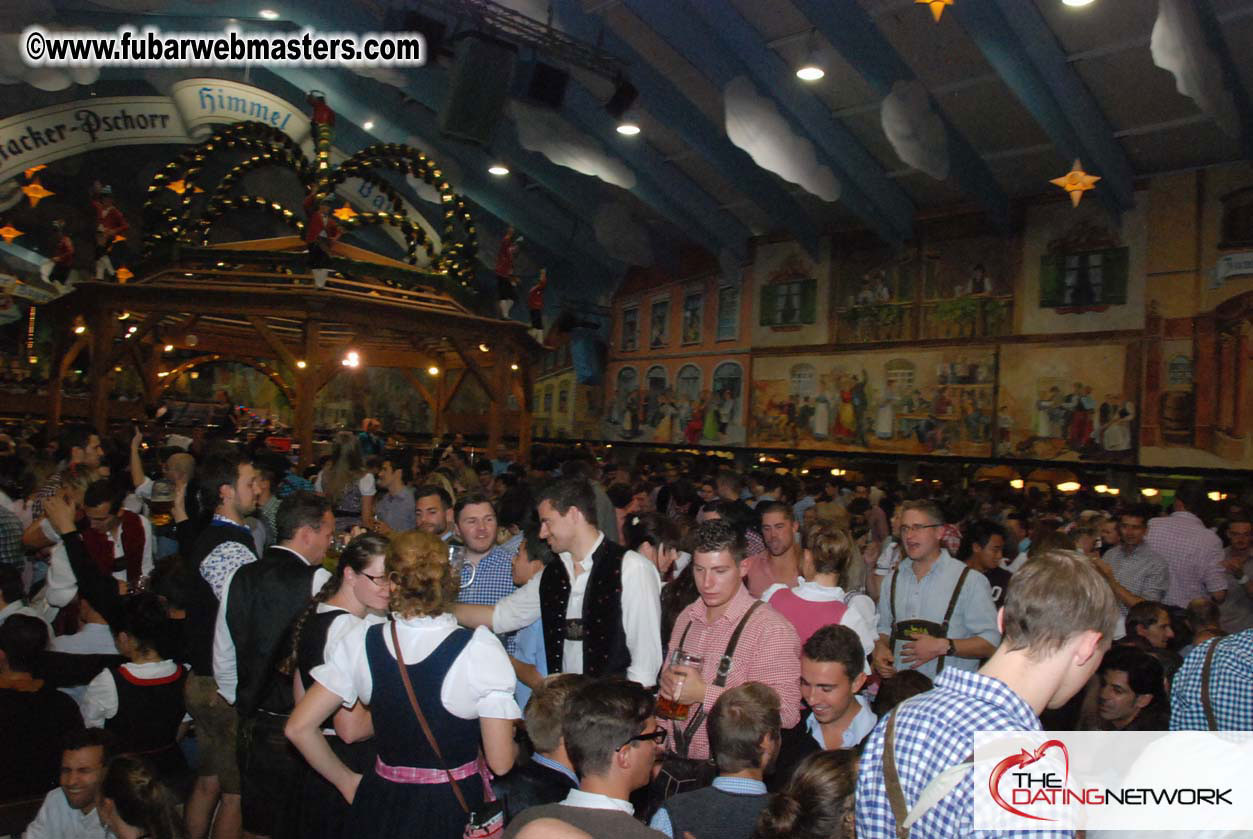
x: 1044, y: 783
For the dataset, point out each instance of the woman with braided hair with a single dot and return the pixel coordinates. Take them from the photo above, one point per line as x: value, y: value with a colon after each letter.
x: 358, y: 591
x: 135, y: 804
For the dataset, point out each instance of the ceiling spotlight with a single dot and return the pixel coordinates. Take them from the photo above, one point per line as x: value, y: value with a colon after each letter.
x: 124, y: 316
x: 629, y: 125
x: 433, y: 370
x: 624, y: 96
x: 132, y: 330
x: 1149, y: 492
x: 1017, y: 483
x: 368, y: 125
x: 351, y: 359
x: 1068, y: 486
x: 1076, y: 3
x: 484, y: 348
x: 268, y: 14
x: 498, y: 169
x: 810, y: 70
x: 169, y: 348
x: 301, y: 364
x: 513, y: 367
x: 80, y: 329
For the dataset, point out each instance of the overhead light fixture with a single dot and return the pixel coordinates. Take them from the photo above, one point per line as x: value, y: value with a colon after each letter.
x: 1215, y: 495
x: 1113, y: 490
x: 810, y: 70
x: 195, y: 374
x: 484, y: 348
x: 132, y: 330
x: 351, y: 359
x: 169, y: 348
x: 1150, y: 492
x: 301, y: 364
x: 432, y: 370
x: 1076, y: 3
x: 1068, y: 486
x: 268, y: 14
x: 1101, y: 488
x: 498, y: 169
x: 513, y: 367
x: 124, y: 316
x: 80, y: 329
x: 368, y: 125
x: 1017, y: 483
x: 628, y: 128
x: 624, y: 96
x: 163, y: 374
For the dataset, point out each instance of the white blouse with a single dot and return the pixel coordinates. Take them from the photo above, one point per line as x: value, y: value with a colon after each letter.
x: 480, y: 682
x: 366, y: 484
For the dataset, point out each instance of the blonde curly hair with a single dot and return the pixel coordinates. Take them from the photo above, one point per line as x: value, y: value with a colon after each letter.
x: 423, y: 584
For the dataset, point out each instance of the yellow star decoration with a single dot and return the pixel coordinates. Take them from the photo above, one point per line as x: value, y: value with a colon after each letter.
x: 344, y: 213
x: 196, y: 189
x: 123, y: 274
x: 9, y: 233
x: 35, y: 192
x: 937, y: 7
x: 1076, y: 182
x: 178, y: 187
x: 32, y: 170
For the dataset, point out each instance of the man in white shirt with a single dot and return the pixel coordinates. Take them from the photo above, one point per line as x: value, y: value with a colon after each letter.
x: 600, y: 605
x: 70, y: 810
x: 127, y: 535
x: 613, y: 741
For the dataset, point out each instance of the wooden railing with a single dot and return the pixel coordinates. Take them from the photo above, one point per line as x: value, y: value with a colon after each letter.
x: 960, y: 317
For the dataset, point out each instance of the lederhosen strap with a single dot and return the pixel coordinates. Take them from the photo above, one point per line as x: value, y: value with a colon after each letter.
x: 892, y: 778
x: 1206, y: 671
x: 683, y: 738
x: 942, y: 627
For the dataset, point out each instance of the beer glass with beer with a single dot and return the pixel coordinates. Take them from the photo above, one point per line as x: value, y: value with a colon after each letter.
x: 668, y: 707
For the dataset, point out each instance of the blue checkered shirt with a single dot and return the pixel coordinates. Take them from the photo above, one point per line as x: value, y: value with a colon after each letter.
x: 933, y: 732
x: 491, y: 581
x: 1230, y: 687
x: 11, y: 550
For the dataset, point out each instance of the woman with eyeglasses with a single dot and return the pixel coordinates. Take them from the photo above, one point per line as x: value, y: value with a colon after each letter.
x: 461, y: 681
x: 358, y: 591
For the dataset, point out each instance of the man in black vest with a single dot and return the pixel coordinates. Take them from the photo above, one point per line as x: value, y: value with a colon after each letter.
x: 600, y: 605
x: 227, y: 486
x: 260, y: 602
x: 744, y: 735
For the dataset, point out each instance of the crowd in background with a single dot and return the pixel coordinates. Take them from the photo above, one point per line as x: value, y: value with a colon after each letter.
x: 199, y: 638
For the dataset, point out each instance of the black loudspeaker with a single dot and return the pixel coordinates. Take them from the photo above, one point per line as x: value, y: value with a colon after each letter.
x: 478, y: 87
x: 434, y: 31
x: 546, y: 85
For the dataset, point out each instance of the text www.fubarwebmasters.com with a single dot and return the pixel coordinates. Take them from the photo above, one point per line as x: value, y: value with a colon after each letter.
x: 149, y: 47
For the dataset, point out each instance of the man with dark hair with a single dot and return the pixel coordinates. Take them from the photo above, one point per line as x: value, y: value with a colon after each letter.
x: 765, y: 649
x: 581, y: 469
x: 933, y: 612
x: 69, y: 811
x: 78, y: 447
x: 549, y: 775
x: 779, y: 529
x: 35, y: 714
x: 1133, y: 692
x: 260, y: 601
x: 613, y: 742
x: 744, y: 737
x: 600, y: 604
x: 486, y: 568
x: 832, y: 676
x: 228, y: 487
x: 1236, y: 612
x: 1193, y: 552
x: 434, y: 511
x: 1133, y: 569
x: 396, y: 511
x: 119, y: 541
x: 1148, y: 626
x: 982, y: 549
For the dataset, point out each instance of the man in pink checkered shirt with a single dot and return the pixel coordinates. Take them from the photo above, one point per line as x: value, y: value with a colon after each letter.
x: 768, y: 650
x: 1193, y: 552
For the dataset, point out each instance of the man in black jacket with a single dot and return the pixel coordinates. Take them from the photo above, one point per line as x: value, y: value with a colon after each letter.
x: 549, y: 774
x: 260, y: 601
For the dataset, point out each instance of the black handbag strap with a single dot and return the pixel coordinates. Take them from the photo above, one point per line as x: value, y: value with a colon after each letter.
x: 426, y: 729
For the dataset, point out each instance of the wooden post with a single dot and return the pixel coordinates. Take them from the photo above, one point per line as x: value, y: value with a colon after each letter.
x: 524, y: 392
x: 56, y: 368
x: 101, y: 324
x: 495, y: 411
x: 307, y: 392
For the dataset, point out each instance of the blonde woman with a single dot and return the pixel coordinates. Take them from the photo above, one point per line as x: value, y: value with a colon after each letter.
x: 462, y: 681
x: 347, y: 482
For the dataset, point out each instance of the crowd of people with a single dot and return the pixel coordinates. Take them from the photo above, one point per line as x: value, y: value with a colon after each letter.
x: 211, y: 642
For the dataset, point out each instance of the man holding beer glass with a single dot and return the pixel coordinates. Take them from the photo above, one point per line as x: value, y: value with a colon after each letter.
x: 724, y: 639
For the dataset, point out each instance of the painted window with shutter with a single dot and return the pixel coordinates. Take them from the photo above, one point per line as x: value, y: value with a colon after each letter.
x: 1084, y: 278
x: 790, y: 302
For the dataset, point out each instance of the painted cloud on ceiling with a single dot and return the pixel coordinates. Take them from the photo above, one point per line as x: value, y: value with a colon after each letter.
x: 1178, y: 45
x: 621, y: 235
x: 755, y: 125
x: 915, y: 130
x: 543, y: 131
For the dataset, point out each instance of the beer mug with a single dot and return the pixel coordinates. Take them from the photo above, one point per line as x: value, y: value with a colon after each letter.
x: 161, y: 505
x: 668, y: 708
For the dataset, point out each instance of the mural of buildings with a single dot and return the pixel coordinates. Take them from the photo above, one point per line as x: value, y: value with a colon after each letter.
x: 1081, y: 337
x: 565, y: 408
x: 688, y: 382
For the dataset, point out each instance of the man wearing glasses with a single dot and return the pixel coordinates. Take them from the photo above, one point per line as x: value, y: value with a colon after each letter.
x: 933, y: 613
x: 613, y: 741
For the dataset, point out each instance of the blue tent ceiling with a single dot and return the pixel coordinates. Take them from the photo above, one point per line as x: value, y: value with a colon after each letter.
x: 1021, y: 88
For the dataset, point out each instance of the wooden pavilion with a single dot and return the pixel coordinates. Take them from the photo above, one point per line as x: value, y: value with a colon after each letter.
x: 254, y: 303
